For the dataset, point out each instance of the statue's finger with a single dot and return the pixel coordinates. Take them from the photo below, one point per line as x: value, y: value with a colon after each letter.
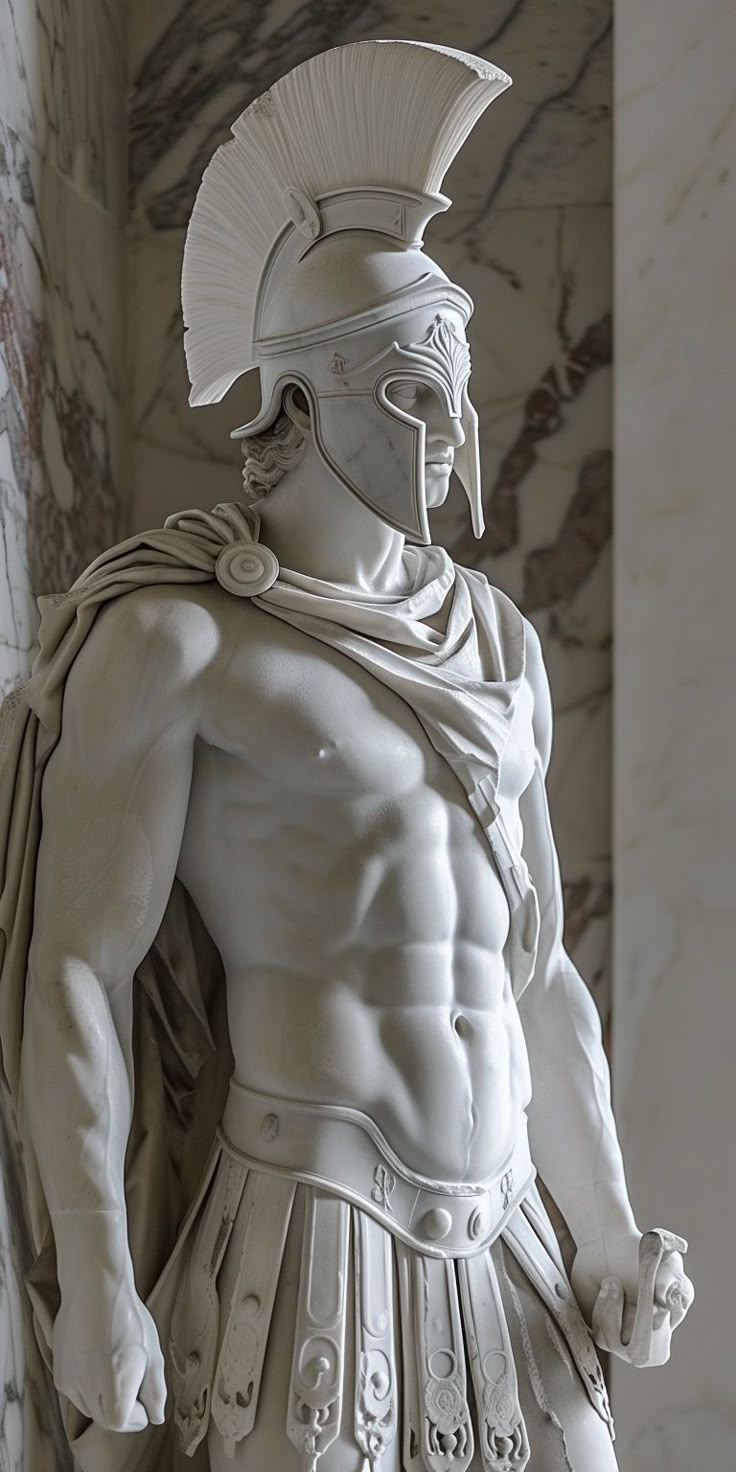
x: 152, y: 1393
x: 607, y: 1317
x: 137, y: 1420
x: 651, y: 1251
x: 119, y: 1400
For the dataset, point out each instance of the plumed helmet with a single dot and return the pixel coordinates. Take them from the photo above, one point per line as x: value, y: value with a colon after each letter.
x: 304, y: 259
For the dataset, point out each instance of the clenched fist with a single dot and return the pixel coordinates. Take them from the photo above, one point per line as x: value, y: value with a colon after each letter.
x: 106, y: 1353
x: 634, y: 1292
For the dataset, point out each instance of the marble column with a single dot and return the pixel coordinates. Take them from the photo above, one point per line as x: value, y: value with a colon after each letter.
x: 529, y: 238
x: 62, y: 201
x: 675, y: 712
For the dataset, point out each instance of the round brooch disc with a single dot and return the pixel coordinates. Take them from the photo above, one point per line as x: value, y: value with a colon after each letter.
x: 246, y: 569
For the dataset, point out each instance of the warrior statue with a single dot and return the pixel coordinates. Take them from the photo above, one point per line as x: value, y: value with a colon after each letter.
x: 287, y: 1023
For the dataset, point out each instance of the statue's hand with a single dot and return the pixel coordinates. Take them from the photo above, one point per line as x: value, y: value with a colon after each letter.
x: 107, y: 1357
x: 634, y: 1292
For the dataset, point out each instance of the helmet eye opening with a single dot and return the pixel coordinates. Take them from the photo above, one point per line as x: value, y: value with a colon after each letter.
x: 417, y: 397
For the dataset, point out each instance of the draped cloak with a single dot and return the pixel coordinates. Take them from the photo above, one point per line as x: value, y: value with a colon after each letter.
x: 454, y: 649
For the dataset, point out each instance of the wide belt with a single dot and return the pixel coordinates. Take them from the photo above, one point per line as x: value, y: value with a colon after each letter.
x: 341, y: 1150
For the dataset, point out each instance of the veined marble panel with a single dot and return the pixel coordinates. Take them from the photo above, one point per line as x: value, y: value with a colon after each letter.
x: 62, y: 178
x: 60, y: 404
x: 31, y: 1434
x: 541, y: 344
x: 675, y: 795
x: 61, y: 376
x: 62, y: 87
x: 194, y: 67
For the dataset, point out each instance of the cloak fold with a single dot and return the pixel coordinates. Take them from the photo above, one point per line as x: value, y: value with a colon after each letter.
x: 182, y: 1057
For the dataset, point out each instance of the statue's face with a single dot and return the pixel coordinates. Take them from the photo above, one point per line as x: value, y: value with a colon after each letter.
x: 396, y: 412
x: 444, y: 434
x: 389, y: 405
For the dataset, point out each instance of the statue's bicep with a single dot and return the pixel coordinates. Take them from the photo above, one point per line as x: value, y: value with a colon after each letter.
x: 114, y: 802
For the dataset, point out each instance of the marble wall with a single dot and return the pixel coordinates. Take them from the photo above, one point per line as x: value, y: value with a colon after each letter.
x: 62, y: 205
x: 675, y: 709
x: 529, y: 238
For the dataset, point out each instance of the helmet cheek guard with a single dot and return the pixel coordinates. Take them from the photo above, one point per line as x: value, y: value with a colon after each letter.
x: 378, y: 453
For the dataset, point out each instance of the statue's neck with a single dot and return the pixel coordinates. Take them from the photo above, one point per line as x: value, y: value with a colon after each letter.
x: 314, y: 525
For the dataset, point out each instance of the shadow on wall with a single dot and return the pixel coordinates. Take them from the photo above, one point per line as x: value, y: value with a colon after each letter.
x: 62, y: 197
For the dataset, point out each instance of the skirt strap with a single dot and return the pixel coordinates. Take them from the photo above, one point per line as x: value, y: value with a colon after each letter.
x: 504, y: 1444
x: 318, y: 1365
x: 246, y: 1290
x: 375, y: 1349
x: 195, y: 1319
x: 559, y: 1300
x: 438, y: 1428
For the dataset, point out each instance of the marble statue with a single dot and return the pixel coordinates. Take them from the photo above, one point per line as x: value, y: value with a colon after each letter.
x: 286, y: 1018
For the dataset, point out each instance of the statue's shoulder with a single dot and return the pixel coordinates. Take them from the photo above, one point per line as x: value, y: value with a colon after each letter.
x: 168, y: 637
x: 159, y: 618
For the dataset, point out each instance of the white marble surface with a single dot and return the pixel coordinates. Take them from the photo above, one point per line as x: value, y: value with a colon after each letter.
x: 62, y: 87
x: 61, y: 380
x: 675, y: 804
x: 541, y: 341
x: 61, y: 404
x: 529, y: 238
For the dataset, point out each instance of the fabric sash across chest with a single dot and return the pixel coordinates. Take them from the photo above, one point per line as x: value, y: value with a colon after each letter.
x: 454, y: 649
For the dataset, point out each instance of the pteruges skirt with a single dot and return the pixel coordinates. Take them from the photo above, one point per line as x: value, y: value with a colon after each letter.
x: 305, y: 1335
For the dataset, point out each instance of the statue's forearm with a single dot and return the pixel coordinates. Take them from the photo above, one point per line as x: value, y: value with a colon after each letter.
x: 78, y: 1106
x: 571, y: 1124
x: 572, y: 1127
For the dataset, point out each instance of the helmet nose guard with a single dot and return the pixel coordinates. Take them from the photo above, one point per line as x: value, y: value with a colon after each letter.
x: 467, y: 465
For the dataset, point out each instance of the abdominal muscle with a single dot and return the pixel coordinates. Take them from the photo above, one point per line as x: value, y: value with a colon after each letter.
x: 363, y: 949
x: 445, y: 1083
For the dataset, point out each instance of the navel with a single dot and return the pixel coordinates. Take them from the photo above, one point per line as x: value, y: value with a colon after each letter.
x: 462, y: 1026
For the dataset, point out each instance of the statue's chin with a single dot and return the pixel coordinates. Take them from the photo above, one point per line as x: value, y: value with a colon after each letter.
x: 437, y: 482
